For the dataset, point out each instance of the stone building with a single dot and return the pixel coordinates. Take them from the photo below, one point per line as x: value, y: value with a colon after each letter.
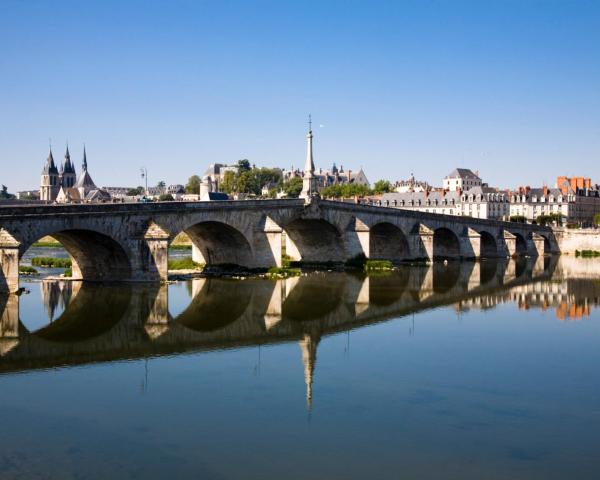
x: 63, y: 186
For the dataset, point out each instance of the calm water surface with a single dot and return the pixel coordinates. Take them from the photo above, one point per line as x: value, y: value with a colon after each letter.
x: 463, y: 371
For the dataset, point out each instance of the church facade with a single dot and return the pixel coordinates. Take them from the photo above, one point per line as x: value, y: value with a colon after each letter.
x: 62, y: 185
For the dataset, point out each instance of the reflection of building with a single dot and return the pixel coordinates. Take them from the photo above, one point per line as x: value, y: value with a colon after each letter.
x: 55, y: 295
x: 572, y: 299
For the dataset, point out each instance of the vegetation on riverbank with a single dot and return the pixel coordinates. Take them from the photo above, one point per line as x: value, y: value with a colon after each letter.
x: 27, y: 270
x: 378, y: 266
x: 587, y: 253
x: 51, y: 262
x: 183, y: 264
x: 283, y: 272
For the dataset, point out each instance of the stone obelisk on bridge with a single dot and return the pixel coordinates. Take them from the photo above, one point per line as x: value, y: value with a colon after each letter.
x: 309, y: 180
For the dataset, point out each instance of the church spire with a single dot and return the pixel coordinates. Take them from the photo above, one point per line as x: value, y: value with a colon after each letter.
x: 84, y: 164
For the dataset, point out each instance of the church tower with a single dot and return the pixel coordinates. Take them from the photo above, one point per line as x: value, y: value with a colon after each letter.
x: 309, y: 180
x: 68, y: 175
x: 49, y: 185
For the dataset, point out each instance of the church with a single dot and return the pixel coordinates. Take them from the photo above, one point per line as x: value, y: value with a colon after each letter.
x: 63, y: 186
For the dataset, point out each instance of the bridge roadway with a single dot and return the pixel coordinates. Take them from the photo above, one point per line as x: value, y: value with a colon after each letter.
x: 138, y: 322
x: 130, y: 241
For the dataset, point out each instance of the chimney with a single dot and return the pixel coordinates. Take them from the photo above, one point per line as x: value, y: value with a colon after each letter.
x: 545, y: 190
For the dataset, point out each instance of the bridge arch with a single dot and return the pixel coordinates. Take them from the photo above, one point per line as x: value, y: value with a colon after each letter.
x: 218, y: 243
x: 313, y: 240
x: 488, y: 244
x: 446, y: 244
x: 95, y: 256
x: 388, y: 242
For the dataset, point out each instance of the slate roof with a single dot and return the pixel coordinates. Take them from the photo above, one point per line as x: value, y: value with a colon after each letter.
x: 463, y: 173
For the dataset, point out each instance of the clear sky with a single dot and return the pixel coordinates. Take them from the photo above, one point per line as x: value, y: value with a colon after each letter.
x: 509, y: 88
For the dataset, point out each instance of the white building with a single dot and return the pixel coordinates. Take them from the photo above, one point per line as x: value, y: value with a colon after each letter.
x: 461, y: 179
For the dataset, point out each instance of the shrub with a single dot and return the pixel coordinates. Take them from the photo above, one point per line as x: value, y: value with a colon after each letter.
x: 50, y: 262
x: 517, y: 218
x: 68, y: 272
x: 587, y: 253
x: 378, y: 265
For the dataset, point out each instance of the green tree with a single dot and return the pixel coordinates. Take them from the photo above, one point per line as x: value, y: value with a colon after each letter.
x: 161, y: 185
x: 382, y: 186
x: 293, y: 187
x: 165, y: 197
x: 193, y: 185
x: 597, y: 220
x: 132, y: 192
x: 243, y: 164
x: 228, y: 184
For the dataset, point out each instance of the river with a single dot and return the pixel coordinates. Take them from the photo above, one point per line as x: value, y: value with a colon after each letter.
x: 465, y: 370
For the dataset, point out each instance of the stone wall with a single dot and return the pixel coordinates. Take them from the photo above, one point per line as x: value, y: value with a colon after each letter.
x: 570, y: 240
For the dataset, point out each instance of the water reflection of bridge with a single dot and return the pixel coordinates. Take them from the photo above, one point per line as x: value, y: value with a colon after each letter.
x: 106, y: 323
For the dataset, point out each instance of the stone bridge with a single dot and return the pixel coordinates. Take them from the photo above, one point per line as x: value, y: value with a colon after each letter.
x: 130, y: 241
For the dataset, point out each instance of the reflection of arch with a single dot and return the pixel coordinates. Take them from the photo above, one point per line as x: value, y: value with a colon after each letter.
x: 384, y: 290
x: 313, y: 297
x: 520, y: 244
x: 314, y: 240
x: 520, y: 266
x: 95, y: 309
x: 445, y: 244
x: 220, y: 244
x: 445, y: 276
x: 489, y: 247
x: 96, y: 256
x: 219, y: 303
x: 547, y: 245
x: 387, y: 242
x: 489, y: 270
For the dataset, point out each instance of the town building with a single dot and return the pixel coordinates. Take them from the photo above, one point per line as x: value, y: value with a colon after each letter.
x: 461, y: 179
x: 477, y: 201
x: 575, y: 199
x: 28, y: 195
x: 333, y: 176
x: 411, y: 185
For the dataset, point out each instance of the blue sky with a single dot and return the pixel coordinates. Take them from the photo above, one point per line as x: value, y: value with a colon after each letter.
x: 511, y: 88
